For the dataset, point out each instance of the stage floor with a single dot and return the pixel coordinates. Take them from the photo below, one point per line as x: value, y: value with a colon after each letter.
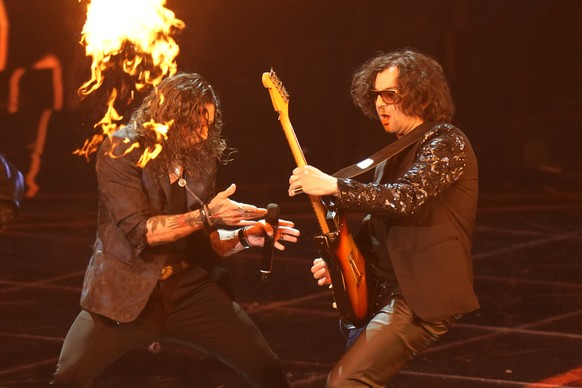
x: 527, y: 264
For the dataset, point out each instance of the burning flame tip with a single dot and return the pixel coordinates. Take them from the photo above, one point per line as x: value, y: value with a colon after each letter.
x: 141, y: 46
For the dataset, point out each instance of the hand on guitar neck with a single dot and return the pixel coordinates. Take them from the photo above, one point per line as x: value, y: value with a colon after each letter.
x: 309, y: 180
x: 320, y: 272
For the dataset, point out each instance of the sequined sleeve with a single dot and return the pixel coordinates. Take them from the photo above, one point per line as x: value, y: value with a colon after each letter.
x: 440, y: 161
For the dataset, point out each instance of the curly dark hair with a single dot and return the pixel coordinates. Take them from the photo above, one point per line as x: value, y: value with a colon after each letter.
x: 180, y: 99
x: 421, y: 80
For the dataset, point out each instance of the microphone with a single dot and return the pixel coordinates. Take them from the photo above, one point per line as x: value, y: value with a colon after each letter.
x: 272, y: 218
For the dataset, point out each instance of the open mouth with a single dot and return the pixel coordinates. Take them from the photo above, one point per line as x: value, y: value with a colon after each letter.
x: 385, y: 119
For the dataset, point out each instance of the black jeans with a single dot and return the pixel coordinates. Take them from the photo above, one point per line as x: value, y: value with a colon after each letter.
x: 377, y: 351
x: 188, y: 308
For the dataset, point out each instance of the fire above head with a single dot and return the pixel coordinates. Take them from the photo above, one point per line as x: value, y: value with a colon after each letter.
x: 127, y: 40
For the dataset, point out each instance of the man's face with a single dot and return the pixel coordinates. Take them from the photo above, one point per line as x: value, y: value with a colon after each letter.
x: 200, y: 134
x: 390, y: 113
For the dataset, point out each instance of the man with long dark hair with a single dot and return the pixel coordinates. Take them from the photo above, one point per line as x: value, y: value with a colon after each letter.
x: 417, y: 236
x: 160, y: 233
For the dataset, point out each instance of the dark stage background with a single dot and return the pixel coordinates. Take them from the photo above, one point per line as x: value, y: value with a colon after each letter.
x: 515, y: 68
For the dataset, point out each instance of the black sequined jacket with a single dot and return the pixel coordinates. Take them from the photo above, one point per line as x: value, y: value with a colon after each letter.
x: 425, y: 200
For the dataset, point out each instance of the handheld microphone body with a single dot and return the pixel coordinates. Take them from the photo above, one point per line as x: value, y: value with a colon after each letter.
x: 272, y: 218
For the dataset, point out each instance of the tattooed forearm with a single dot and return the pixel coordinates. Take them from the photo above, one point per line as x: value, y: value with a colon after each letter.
x: 155, y: 223
x: 169, y: 228
x: 175, y: 222
x: 193, y: 219
x: 160, y: 223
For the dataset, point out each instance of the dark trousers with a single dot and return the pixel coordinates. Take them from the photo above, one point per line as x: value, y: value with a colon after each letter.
x: 380, y: 349
x: 188, y: 308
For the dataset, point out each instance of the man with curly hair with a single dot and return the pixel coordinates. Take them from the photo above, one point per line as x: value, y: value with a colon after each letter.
x: 421, y: 208
x: 161, y: 231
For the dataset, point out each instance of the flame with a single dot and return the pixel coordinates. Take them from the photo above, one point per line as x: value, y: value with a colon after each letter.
x: 108, y: 125
x: 132, y: 38
x: 161, y: 131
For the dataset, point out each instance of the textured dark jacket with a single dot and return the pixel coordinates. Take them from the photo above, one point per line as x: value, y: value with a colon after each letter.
x: 425, y: 198
x: 123, y: 269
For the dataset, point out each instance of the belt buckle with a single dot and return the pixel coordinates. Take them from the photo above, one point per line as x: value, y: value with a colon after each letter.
x: 166, y: 272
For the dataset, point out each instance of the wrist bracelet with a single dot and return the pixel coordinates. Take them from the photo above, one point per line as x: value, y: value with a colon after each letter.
x: 243, y: 239
x: 209, y: 216
x: 206, y: 220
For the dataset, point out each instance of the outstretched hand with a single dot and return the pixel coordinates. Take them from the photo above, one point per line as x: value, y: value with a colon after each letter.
x: 285, y: 233
x: 225, y: 211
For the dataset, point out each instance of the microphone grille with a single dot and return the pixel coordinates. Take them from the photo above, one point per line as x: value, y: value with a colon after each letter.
x: 273, y: 211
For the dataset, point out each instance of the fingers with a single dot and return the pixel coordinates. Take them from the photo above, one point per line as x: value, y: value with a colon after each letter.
x: 238, y: 218
x: 285, y: 233
x: 248, y: 212
x: 295, y: 186
x: 286, y: 223
x: 310, y: 180
x: 295, y: 190
x: 320, y: 272
x: 318, y: 266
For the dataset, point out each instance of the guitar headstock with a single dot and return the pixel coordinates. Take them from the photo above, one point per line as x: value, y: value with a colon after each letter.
x: 278, y: 93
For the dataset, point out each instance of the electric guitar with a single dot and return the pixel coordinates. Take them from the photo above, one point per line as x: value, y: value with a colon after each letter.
x: 336, y: 245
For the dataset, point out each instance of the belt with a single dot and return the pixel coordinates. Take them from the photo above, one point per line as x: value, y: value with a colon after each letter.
x: 172, y: 269
x: 383, y: 294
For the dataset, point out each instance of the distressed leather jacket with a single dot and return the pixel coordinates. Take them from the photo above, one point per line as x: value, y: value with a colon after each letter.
x: 123, y: 269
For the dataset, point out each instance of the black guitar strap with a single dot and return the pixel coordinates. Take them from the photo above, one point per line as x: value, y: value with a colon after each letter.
x: 385, y: 153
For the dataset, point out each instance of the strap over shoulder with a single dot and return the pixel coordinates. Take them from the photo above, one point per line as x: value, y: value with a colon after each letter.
x: 385, y: 153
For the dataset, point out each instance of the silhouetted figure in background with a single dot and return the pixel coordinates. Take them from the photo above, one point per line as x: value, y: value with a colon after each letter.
x: 11, y: 191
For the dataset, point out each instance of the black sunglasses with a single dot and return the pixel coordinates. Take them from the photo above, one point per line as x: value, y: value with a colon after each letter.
x: 389, y: 96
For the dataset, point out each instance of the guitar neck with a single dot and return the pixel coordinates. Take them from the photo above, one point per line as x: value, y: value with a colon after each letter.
x: 300, y: 160
x: 280, y: 100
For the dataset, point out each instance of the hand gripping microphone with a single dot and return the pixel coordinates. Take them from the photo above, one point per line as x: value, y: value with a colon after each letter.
x: 272, y: 218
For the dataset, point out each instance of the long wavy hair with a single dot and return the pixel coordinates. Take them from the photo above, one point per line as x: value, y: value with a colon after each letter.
x: 421, y: 81
x: 181, y: 99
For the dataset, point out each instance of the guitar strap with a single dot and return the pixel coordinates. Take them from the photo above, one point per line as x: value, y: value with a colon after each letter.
x: 385, y: 153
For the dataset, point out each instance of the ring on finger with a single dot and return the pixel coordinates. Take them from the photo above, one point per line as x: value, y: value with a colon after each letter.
x: 298, y: 190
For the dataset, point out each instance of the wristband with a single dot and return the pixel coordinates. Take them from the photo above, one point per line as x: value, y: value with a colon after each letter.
x: 206, y: 218
x: 243, y: 239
